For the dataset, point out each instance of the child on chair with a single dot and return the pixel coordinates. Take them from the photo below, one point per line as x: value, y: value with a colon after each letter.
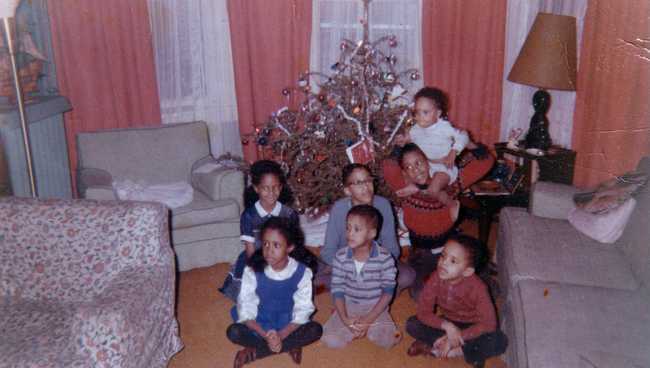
x: 467, y: 326
x: 274, y: 305
x: 439, y: 141
x: 263, y: 200
x: 363, y: 283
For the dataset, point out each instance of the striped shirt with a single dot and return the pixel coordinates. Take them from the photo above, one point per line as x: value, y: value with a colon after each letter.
x: 377, y: 276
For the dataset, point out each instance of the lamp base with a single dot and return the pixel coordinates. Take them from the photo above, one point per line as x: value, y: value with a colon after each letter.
x: 538, y: 136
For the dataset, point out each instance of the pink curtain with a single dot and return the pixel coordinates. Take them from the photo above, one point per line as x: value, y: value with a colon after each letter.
x: 270, y: 46
x: 104, y: 63
x: 463, y: 47
x: 611, y: 130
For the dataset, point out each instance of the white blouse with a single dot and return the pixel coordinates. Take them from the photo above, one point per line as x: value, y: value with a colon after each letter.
x: 248, y: 301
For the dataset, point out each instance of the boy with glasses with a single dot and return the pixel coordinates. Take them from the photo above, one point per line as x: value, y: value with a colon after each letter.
x: 358, y: 186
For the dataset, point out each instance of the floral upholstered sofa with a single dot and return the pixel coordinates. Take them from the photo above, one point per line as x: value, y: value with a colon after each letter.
x: 86, y: 284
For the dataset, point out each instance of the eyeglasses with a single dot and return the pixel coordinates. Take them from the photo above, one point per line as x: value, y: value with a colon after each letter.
x: 362, y: 182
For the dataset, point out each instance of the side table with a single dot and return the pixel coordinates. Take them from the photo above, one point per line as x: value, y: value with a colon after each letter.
x: 556, y: 165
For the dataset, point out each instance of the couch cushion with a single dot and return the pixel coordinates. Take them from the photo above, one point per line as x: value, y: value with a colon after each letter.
x: 552, y: 200
x: 601, y: 359
x: 561, y: 325
x: 535, y: 248
x: 217, y: 230
x: 203, y: 210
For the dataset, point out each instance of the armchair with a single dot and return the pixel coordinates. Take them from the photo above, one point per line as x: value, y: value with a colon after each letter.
x: 86, y: 284
x: 205, y: 231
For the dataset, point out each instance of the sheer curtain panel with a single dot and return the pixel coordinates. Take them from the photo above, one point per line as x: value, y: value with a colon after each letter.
x: 194, y: 67
x: 334, y: 20
x: 517, y: 107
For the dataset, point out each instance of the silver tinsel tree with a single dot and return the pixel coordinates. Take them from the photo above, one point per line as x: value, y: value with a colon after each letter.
x: 363, y: 100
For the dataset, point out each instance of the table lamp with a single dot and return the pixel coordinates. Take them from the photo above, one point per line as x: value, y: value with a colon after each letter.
x: 547, y: 60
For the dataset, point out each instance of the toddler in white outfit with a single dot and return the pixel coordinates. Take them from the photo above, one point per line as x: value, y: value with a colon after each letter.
x: 439, y: 141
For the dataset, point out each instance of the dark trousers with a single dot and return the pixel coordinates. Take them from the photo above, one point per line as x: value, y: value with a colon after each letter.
x: 476, y: 350
x: 423, y: 262
x: 240, y: 334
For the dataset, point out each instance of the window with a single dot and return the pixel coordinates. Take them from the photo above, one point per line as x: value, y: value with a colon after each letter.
x: 334, y: 20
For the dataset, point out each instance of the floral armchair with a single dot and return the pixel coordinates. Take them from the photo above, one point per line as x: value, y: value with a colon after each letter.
x: 86, y: 284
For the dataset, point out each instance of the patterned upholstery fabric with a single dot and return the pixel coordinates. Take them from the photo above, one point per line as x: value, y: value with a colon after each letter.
x: 86, y: 284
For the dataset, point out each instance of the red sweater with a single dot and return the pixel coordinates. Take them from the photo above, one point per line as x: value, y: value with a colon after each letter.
x: 424, y: 215
x: 467, y: 301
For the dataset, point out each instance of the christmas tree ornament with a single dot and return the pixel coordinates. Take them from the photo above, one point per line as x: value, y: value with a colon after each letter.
x: 262, y: 141
x: 356, y: 109
x: 389, y: 78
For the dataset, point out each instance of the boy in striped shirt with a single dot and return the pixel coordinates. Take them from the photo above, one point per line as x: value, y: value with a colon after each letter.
x: 363, y: 283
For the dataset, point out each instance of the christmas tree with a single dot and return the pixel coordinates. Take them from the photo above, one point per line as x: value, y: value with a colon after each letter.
x: 350, y: 115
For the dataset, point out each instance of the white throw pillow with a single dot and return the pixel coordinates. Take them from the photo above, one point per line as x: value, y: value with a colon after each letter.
x: 606, y: 227
x: 173, y: 195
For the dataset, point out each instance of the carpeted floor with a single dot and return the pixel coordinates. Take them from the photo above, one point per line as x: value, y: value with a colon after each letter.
x: 203, y: 314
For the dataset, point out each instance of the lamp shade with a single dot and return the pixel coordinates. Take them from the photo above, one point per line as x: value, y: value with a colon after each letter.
x: 8, y: 8
x: 548, y: 57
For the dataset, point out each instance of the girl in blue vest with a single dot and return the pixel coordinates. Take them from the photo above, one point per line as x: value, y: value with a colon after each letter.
x: 274, y: 305
x: 264, y: 199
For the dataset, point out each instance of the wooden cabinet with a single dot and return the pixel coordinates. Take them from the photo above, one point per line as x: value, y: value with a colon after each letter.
x: 556, y: 165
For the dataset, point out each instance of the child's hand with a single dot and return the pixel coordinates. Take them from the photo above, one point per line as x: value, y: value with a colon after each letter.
x: 361, y: 327
x: 273, y: 341
x: 454, y: 337
x: 350, y: 324
x: 407, y: 190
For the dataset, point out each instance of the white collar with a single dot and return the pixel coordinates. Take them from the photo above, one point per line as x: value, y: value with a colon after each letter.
x: 262, y: 212
x: 283, y: 274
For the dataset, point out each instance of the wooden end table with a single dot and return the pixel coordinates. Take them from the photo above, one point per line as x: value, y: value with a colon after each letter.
x: 556, y: 165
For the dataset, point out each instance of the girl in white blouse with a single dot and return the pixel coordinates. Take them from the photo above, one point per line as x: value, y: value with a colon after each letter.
x: 274, y: 305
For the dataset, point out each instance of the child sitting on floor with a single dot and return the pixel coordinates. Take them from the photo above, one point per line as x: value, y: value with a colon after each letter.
x: 363, y: 282
x: 466, y: 325
x: 274, y: 305
x: 358, y: 186
x: 263, y: 200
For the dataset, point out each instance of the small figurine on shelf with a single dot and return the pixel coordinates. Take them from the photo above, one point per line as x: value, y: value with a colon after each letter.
x: 513, y: 138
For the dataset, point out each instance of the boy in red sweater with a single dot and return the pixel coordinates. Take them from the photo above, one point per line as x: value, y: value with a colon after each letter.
x: 466, y: 323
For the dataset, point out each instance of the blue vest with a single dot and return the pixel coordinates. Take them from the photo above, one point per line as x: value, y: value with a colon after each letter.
x: 275, y: 309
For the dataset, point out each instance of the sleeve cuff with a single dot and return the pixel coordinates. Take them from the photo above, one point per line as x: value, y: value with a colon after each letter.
x: 247, y: 238
x: 300, y: 320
